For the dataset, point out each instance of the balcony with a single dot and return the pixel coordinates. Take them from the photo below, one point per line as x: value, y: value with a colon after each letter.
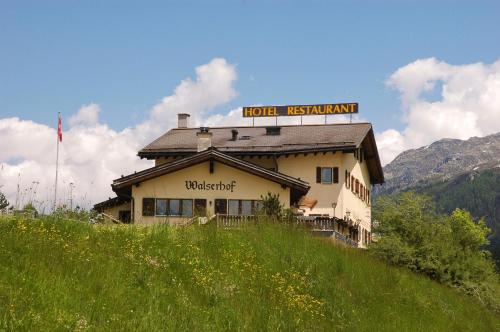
x: 319, y: 226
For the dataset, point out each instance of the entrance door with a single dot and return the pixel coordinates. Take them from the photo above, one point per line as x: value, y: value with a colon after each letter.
x: 124, y: 216
x: 220, y: 206
x: 200, y: 207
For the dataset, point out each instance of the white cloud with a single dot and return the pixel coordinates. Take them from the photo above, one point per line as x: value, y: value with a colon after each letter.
x: 87, y: 115
x: 214, y: 86
x: 389, y: 143
x: 92, y: 154
x: 468, y: 104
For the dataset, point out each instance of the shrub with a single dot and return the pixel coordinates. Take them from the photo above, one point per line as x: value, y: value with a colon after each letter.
x: 271, y: 206
x: 447, y: 248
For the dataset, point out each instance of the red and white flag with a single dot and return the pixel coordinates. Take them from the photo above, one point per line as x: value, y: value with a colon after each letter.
x: 59, y: 128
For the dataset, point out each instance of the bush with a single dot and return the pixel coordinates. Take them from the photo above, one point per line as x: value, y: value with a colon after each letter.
x: 271, y: 206
x: 447, y: 248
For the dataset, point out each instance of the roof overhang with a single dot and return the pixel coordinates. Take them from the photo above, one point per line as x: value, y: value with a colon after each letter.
x: 111, y: 202
x: 153, y: 154
x: 123, y: 185
x: 369, y: 146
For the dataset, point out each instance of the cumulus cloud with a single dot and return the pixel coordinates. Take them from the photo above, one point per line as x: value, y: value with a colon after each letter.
x: 467, y: 104
x: 93, y: 154
x: 214, y: 86
x: 87, y: 115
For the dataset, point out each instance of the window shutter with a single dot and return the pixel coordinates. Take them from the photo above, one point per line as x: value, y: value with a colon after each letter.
x: 318, y: 174
x: 335, y: 175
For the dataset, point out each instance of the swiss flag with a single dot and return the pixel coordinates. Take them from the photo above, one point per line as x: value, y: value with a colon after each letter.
x: 59, y: 128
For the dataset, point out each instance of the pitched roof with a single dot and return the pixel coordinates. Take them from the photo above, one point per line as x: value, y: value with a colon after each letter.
x: 254, y: 139
x: 115, y: 201
x: 123, y: 184
x: 292, y: 139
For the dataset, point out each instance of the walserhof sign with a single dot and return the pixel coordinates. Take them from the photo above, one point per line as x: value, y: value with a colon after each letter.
x: 299, y: 110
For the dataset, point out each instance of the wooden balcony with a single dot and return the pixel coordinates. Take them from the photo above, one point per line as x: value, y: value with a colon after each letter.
x: 328, y: 227
x: 233, y: 221
x: 320, y: 226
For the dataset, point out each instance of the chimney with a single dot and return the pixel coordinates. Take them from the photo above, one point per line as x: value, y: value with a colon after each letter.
x: 204, y: 139
x: 182, y: 120
x: 273, y: 131
x: 234, y: 135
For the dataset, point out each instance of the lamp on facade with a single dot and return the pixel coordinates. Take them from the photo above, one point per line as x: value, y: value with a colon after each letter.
x: 334, y: 205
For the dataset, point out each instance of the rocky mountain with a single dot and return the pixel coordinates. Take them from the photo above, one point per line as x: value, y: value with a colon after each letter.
x: 440, y: 161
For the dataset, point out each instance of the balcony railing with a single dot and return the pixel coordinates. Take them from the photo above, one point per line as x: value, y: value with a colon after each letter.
x: 345, y: 239
x: 233, y: 221
x: 319, y: 225
x: 329, y: 226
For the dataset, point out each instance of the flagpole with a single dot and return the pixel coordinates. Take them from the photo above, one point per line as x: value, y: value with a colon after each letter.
x: 57, y: 160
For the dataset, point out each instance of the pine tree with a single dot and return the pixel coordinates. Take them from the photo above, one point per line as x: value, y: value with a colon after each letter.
x: 3, y: 201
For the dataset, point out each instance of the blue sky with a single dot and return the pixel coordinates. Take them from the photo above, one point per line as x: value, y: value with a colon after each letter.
x: 109, y: 65
x: 59, y: 55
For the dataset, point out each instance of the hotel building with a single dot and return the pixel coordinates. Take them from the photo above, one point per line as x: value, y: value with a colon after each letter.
x: 320, y: 171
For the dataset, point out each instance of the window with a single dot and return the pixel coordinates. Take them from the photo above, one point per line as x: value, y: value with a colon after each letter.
x: 347, y: 179
x: 257, y: 206
x: 148, y: 207
x: 233, y: 207
x: 327, y: 175
x: 174, y: 207
x: 357, y: 187
x: 221, y: 206
x: 187, y: 208
x: 359, y: 154
x: 245, y: 207
x: 200, y: 207
x: 161, y: 207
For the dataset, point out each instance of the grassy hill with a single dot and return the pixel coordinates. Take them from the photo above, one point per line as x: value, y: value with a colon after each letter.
x: 61, y: 275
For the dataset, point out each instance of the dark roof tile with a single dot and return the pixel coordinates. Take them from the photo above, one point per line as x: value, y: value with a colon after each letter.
x: 291, y: 138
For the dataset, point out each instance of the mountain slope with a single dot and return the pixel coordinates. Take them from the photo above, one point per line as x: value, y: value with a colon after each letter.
x: 440, y: 161
x: 457, y: 174
x: 478, y: 192
x: 61, y: 275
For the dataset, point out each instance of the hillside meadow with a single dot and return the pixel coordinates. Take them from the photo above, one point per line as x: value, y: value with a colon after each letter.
x: 64, y: 275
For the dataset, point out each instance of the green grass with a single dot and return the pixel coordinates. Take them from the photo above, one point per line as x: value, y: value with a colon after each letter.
x: 61, y: 275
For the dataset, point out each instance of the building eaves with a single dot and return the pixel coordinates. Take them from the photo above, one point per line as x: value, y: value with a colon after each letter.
x: 207, y: 155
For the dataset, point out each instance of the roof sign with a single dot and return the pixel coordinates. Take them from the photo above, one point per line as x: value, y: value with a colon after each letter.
x: 299, y: 110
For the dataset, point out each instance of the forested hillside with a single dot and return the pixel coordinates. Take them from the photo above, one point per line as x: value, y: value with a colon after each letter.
x: 477, y: 192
